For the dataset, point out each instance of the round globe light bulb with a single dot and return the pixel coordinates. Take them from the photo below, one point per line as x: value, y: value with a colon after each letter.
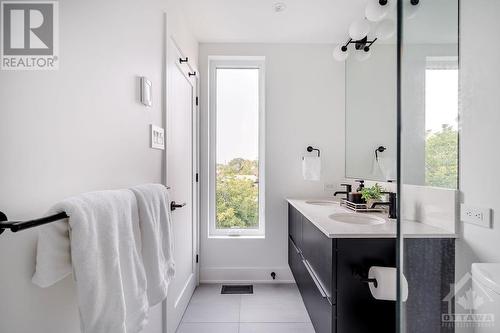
x: 359, y: 29
x: 376, y: 12
x: 340, y: 55
x: 411, y: 8
x: 363, y: 55
x: 385, y: 29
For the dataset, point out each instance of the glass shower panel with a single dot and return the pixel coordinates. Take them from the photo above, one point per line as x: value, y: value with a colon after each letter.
x: 429, y: 164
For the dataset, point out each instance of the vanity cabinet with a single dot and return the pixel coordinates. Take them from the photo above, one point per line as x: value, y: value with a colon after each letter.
x: 327, y: 272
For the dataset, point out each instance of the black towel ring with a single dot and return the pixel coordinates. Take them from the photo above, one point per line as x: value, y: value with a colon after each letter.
x: 311, y: 149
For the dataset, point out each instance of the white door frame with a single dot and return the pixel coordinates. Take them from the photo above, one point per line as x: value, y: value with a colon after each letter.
x: 172, y: 46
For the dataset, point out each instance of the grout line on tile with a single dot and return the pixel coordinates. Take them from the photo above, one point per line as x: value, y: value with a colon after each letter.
x: 239, y: 312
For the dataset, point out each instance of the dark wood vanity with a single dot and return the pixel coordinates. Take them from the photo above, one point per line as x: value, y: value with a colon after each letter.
x: 328, y: 273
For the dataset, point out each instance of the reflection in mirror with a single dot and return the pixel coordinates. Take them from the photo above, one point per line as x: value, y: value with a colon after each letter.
x: 371, y: 114
x: 429, y: 151
x: 430, y: 97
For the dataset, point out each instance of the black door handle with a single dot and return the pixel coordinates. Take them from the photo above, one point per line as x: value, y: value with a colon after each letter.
x: 174, y: 205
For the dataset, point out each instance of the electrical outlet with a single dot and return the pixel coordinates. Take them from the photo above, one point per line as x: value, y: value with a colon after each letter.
x: 476, y: 215
x: 330, y: 187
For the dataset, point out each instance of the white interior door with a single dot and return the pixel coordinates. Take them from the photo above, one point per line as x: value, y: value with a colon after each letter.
x: 181, y: 167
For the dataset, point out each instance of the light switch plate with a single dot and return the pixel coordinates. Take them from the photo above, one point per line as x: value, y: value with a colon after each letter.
x: 476, y: 215
x: 157, y: 137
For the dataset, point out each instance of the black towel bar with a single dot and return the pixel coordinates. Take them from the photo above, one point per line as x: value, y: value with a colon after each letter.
x: 16, y: 226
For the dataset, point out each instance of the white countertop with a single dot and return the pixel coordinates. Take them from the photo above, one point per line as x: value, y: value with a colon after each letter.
x: 318, y: 215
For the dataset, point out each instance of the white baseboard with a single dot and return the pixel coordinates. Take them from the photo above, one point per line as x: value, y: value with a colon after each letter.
x: 245, y: 275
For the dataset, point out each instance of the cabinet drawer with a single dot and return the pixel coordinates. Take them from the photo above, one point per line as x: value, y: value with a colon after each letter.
x: 321, y: 312
x: 295, y: 225
x: 317, y: 249
x: 295, y: 263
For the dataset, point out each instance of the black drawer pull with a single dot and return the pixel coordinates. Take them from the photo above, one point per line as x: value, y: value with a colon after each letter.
x: 295, y: 246
x: 316, y: 281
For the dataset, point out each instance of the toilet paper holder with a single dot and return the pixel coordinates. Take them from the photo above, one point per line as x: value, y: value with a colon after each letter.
x: 363, y: 277
x: 367, y: 280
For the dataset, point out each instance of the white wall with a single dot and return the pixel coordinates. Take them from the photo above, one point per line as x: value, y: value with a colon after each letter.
x: 74, y: 130
x: 480, y: 160
x: 304, y: 106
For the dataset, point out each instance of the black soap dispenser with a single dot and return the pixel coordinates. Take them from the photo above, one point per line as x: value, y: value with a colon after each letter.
x: 361, y: 185
x: 355, y: 197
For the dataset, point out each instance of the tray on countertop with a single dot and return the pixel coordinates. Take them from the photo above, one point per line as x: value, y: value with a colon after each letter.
x: 359, y: 207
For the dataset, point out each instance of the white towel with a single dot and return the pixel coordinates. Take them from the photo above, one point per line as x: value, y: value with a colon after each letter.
x: 311, y: 167
x: 383, y: 168
x: 157, y: 239
x: 105, y: 257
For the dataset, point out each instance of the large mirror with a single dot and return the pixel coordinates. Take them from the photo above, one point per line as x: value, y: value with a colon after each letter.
x: 371, y: 117
x: 430, y: 101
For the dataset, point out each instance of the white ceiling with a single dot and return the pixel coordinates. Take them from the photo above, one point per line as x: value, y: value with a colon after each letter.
x: 309, y: 21
x: 255, y: 21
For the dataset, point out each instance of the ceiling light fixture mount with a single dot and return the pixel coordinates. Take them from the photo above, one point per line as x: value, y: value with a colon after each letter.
x: 362, y: 44
x: 363, y: 47
x: 279, y: 7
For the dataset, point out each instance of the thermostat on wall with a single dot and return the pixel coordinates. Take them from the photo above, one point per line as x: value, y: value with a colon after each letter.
x: 146, y: 92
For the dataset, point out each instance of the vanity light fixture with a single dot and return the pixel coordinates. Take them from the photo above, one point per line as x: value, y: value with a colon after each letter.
x: 411, y: 8
x: 385, y: 29
x: 362, y: 56
x: 339, y: 53
x: 362, y: 46
x: 359, y: 29
x: 377, y: 10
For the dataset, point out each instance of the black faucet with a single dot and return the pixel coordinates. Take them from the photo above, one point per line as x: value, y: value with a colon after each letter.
x: 392, y: 203
x: 348, y: 189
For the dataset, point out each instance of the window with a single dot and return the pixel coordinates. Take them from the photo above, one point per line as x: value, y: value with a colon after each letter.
x: 441, y: 122
x: 237, y: 146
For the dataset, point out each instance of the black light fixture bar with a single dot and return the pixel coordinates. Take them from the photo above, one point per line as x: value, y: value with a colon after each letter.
x: 362, y: 44
x: 385, y: 2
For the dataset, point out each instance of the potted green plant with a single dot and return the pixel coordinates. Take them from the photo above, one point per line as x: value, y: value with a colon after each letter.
x: 372, y: 194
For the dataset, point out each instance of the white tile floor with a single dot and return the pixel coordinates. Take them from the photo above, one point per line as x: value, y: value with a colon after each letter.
x: 272, y: 308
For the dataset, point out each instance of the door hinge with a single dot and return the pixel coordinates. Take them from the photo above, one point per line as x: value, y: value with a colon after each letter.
x: 196, y: 177
x: 197, y: 101
x: 196, y: 258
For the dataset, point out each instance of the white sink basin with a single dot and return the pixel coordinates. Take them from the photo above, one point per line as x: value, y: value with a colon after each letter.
x: 321, y: 202
x: 354, y: 218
